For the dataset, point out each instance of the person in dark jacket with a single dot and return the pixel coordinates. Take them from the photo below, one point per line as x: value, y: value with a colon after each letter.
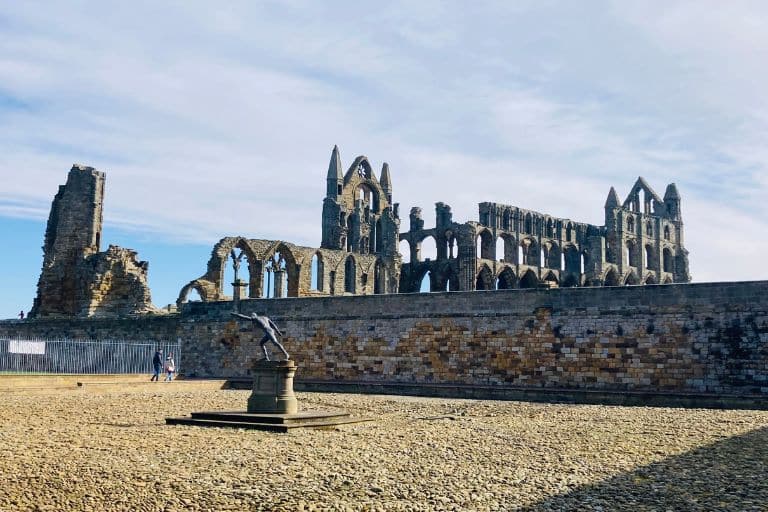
x: 157, y: 365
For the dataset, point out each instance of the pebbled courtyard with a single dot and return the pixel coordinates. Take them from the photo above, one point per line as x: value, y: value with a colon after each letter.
x: 111, y: 450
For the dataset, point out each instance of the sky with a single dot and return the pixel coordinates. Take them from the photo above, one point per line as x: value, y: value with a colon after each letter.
x: 219, y: 120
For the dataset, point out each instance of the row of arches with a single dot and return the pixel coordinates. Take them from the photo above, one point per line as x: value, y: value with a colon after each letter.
x: 647, y: 257
x: 278, y: 274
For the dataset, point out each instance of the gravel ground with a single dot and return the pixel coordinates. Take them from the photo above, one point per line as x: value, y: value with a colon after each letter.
x: 80, y: 450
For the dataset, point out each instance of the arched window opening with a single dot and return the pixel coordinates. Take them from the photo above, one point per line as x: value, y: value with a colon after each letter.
x: 649, y: 228
x: 506, y: 218
x: 562, y: 261
x: 500, y: 252
x: 667, y: 255
x: 581, y: 263
x: 550, y: 279
x: 631, y: 224
x: 569, y: 232
x: 550, y: 230
x: 631, y: 280
x: 485, y: 245
x: 426, y: 283
x: 275, y: 277
x: 193, y: 296
x: 379, y: 283
x: 377, y: 238
x: 521, y: 255
x: 611, y: 278
x: 451, y: 249
x: 405, y: 250
x: 506, y: 280
x: 428, y: 249
x: 666, y: 232
x: 542, y: 257
x: 632, y: 255
x: 237, y: 266
x: 350, y: 275
x: 528, y: 224
x: 484, y: 279
x: 649, y: 259
x: 317, y: 273
x: 529, y: 280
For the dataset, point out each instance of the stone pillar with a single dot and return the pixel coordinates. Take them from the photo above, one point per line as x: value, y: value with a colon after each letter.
x: 238, y: 291
x: 280, y: 276
x: 273, y: 388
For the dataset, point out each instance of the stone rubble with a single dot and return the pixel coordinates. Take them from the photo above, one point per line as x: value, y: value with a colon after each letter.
x: 80, y: 450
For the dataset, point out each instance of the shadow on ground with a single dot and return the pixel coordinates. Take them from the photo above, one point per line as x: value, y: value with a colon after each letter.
x: 731, y: 474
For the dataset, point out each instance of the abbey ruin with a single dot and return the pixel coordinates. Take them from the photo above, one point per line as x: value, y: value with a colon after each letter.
x: 561, y: 315
x: 359, y: 254
x: 509, y: 247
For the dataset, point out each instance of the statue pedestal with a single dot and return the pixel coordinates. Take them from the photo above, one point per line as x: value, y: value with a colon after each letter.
x: 273, y: 388
x: 272, y: 406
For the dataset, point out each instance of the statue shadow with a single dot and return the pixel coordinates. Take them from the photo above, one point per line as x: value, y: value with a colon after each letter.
x: 731, y: 474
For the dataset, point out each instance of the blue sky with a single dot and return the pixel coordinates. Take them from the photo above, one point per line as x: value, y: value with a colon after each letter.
x: 212, y: 121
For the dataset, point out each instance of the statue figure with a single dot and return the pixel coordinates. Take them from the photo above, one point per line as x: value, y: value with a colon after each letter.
x: 264, y: 323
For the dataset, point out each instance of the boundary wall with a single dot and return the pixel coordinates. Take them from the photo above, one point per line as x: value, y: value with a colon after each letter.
x: 709, y: 338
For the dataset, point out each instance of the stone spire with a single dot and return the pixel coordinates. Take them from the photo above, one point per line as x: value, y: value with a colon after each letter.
x: 335, y: 174
x: 613, y: 199
x: 386, y: 181
x: 671, y: 192
x: 672, y: 202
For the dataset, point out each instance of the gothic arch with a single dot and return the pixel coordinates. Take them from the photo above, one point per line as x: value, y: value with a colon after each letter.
x: 506, y: 279
x: 193, y: 285
x: 631, y: 279
x: 485, y: 245
x: 292, y: 266
x: 484, y: 279
x: 350, y: 274
x: 551, y: 277
x: 529, y: 280
x: 611, y: 278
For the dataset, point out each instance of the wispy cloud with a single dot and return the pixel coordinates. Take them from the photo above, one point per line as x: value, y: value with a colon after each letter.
x: 213, y: 121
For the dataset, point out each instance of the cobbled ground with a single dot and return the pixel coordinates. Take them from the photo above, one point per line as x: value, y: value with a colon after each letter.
x: 84, y: 450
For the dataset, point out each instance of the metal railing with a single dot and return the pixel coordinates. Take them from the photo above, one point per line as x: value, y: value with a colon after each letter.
x: 40, y: 355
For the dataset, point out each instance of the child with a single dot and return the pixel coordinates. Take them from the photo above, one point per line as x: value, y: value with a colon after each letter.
x: 170, y: 367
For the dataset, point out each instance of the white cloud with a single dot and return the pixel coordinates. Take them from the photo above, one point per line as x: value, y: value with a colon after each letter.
x: 219, y: 121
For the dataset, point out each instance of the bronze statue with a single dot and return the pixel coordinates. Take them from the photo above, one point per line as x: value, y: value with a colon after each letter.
x: 264, y: 323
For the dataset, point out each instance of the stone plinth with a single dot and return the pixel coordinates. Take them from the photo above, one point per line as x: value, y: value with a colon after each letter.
x: 273, y: 388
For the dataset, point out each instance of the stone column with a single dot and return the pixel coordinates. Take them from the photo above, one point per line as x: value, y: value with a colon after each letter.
x: 280, y: 276
x: 238, y: 291
x: 273, y: 388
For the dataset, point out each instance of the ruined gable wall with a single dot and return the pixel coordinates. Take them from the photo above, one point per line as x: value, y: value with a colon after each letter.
x: 73, y: 232
x: 710, y: 337
x: 77, y: 279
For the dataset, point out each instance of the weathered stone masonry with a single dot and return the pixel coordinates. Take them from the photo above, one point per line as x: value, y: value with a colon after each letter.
x: 77, y: 279
x: 694, y: 338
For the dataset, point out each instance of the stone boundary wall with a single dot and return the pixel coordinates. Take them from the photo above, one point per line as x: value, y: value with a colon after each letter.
x: 693, y: 338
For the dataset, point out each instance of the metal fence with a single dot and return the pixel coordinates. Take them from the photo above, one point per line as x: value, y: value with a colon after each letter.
x: 38, y: 355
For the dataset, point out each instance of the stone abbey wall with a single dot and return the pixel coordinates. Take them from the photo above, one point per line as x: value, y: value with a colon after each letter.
x: 710, y: 337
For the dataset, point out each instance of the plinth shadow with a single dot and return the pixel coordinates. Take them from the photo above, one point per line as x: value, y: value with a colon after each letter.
x: 731, y: 474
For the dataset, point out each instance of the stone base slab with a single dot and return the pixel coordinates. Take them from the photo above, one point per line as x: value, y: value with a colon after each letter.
x: 268, y: 422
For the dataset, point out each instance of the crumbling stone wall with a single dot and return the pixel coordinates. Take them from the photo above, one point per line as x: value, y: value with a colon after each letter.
x: 77, y: 279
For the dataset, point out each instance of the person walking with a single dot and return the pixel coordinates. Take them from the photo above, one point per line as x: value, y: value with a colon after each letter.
x: 170, y: 367
x: 157, y: 365
x: 21, y: 315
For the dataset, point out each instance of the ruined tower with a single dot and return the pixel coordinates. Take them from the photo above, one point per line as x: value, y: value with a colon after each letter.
x: 359, y: 217
x: 77, y: 279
